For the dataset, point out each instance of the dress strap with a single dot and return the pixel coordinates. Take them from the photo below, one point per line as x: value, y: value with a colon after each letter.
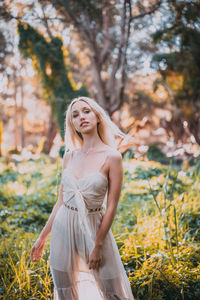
x: 103, y: 161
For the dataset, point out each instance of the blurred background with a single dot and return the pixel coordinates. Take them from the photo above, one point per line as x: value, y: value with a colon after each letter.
x: 140, y: 60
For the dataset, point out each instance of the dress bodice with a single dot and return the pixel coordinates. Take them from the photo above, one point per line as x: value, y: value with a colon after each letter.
x: 92, y: 188
x: 84, y: 193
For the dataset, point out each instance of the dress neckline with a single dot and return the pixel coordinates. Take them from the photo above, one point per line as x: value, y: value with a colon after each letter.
x: 69, y: 166
x: 86, y: 175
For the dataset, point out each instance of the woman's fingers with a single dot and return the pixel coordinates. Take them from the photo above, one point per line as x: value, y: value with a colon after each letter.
x: 36, y: 253
x: 37, y: 250
x: 95, y: 264
x: 32, y: 253
x: 91, y: 264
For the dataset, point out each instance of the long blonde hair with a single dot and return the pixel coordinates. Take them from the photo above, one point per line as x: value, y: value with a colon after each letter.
x: 106, y: 128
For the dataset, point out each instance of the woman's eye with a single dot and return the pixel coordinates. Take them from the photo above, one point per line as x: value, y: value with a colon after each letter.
x: 86, y: 111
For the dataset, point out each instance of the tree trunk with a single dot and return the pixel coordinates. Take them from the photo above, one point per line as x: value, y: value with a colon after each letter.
x: 16, y: 113
x: 22, y: 113
x: 194, y: 126
x: 1, y: 136
x: 51, y: 133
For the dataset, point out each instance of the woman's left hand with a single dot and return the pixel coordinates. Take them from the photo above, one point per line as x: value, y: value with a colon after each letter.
x: 95, y: 258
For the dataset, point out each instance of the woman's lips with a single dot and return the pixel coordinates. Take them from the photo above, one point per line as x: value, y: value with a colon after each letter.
x: 84, y: 124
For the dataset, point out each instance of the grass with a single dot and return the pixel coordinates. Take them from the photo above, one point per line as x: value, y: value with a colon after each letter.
x: 156, y: 228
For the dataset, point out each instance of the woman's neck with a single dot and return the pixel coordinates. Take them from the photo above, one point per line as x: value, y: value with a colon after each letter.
x: 91, y: 141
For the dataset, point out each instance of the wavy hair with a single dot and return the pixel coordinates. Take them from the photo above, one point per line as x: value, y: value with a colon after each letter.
x: 106, y: 128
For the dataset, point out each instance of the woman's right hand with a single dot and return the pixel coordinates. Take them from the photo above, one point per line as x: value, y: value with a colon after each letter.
x: 37, y: 249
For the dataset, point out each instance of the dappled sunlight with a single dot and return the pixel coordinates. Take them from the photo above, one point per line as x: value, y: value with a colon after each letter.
x: 16, y: 188
x: 27, y: 167
x: 2, y: 167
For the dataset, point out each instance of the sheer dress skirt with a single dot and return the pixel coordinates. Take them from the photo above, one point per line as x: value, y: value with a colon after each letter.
x: 69, y: 253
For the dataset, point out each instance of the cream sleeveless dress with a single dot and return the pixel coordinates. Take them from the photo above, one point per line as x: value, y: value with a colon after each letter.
x: 72, y: 240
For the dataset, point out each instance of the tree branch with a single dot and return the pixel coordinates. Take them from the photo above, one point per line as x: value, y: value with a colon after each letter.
x: 111, y: 81
x: 45, y: 21
x: 91, y: 39
x: 120, y: 97
x: 106, y: 24
x: 77, y: 23
x: 148, y: 12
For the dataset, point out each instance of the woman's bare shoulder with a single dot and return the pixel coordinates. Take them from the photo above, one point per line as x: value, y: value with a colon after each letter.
x: 114, y: 155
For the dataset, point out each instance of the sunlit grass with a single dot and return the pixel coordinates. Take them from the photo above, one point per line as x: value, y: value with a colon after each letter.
x: 22, y: 279
x: 156, y: 228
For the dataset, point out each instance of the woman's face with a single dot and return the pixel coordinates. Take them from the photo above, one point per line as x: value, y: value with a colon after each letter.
x: 83, y: 117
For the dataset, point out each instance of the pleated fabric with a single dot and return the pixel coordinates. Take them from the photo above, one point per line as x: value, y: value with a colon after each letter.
x: 72, y: 241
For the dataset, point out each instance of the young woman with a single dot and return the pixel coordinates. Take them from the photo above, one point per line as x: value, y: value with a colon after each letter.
x: 84, y: 258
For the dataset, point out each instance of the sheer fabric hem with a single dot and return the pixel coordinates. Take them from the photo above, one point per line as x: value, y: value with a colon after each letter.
x: 112, y: 296
x: 69, y: 293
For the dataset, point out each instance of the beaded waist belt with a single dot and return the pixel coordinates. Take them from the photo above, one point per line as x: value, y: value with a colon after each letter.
x: 90, y: 210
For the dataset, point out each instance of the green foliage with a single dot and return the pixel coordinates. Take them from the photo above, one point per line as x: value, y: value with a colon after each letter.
x: 180, y: 34
x: 8, y: 175
x: 128, y: 154
x: 49, y: 62
x: 62, y: 151
x: 154, y: 153
x: 149, y: 173
x: 156, y: 228
x: 35, y: 196
x: 157, y: 231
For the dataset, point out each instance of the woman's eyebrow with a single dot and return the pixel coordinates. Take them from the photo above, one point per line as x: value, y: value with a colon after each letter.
x: 81, y: 108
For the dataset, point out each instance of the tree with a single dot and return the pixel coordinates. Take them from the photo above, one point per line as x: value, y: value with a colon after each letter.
x: 49, y: 62
x: 105, y: 29
x: 179, y: 65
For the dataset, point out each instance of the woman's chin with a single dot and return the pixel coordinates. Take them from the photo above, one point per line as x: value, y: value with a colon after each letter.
x: 86, y: 130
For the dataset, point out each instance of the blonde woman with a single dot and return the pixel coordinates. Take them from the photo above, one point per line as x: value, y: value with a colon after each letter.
x: 84, y: 258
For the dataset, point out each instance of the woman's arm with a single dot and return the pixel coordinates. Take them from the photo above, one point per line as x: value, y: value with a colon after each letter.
x: 37, y: 249
x: 115, y: 185
x: 47, y: 228
x: 114, y: 189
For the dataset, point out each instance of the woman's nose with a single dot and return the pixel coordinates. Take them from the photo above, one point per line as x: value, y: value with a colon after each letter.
x: 81, y: 116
